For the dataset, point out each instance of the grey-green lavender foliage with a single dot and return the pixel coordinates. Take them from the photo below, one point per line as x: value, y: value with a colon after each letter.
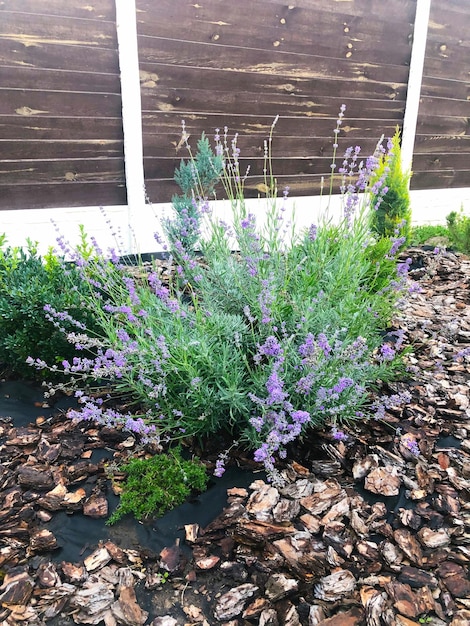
x: 259, y: 345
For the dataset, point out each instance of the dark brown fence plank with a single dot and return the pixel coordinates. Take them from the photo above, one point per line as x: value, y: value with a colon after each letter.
x: 59, y: 56
x: 444, y: 106
x: 214, y: 81
x: 170, y: 123
x: 38, y: 103
x: 98, y: 9
x: 61, y: 171
x: 34, y: 30
x: 252, y: 146
x: 59, y: 80
x: 56, y: 149
x: 440, y: 144
x: 443, y: 161
x: 264, y: 103
x: 262, y: 106
x: 440, y: 179
x: 274, y: 25
x: 38, y: 127
x: 440, y: 125
x: 443, y: 88
x: 299, y: 185
x: 273, y: 63
x: 68, y: 194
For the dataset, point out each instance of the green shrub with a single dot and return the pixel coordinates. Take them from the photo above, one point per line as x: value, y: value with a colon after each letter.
x: 458, y: 226
x: 158, y: 484
x: 258, y: 345
x: 29, y: 283
x: 423, y: 233
x: 391, y: 210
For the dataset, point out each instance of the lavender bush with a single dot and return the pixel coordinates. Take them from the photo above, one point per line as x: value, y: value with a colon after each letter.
x: 261, y: 334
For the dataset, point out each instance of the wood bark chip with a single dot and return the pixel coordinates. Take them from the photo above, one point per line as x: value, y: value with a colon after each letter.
x: 409, y: 545
x: 262, y: 500
x: 279, y: 586
x: 231, y: 604
x: 17, y: 588
x: 383, y: 480
x: 96, y: 506
x: 335, y: 586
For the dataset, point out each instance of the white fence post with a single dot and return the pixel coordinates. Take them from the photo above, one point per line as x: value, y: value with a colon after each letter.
x: 126, y: 26
x: 415, y: 79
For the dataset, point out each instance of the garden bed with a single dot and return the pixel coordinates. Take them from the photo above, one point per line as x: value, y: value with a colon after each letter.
x: 370, y: 528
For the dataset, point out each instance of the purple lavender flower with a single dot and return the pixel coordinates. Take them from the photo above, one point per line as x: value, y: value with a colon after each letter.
x: 339, y: 435
x: 219, y: 470
x: 410, y: 442
x: 275, y: 385
x: 403, y: 268
x: 323, y: 344
x: 313, y: 232
x: 343, y: 384
x: 301, y: 417
x: 262, y: 453
x: 122, y: 335
x: 271, y: 347
x: 265, y: 299
x: 396, y: 245
x: 304, y: 385
x: 387, y: 353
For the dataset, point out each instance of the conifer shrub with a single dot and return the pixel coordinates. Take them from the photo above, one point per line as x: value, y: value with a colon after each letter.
x: 391, y: 201
x: 196, y: 178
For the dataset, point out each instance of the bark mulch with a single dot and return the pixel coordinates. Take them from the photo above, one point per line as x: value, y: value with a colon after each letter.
x: 373, y: 529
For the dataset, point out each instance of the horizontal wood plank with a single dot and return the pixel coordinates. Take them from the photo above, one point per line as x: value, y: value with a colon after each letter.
x: 196, y: 123
x: 35, y: 30
x: 55, y: 149
x: 440, y: 144
x: 162, y: 190
x: 444, y: 106
x: 272, y: 63
x: 36, y: 127
x: 59, y: 56
x: 271, y: 26
x: 264, y: 103
x: 398, y: 11
x: 445, y: 88
x: 437, y: 162
x: 60, y: 171
x: 67, y: 194
x: 454, y: 66
x: 440, y: 179
x: 253, y: 146
x: 216, y: 88
x: 165, y: 168
x: 27, y: 78
x: 441, y: 125
x: 97, y: 9
x: 56, y: 104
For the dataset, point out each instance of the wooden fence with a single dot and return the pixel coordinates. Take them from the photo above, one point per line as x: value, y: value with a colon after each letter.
x: 217, y: 63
